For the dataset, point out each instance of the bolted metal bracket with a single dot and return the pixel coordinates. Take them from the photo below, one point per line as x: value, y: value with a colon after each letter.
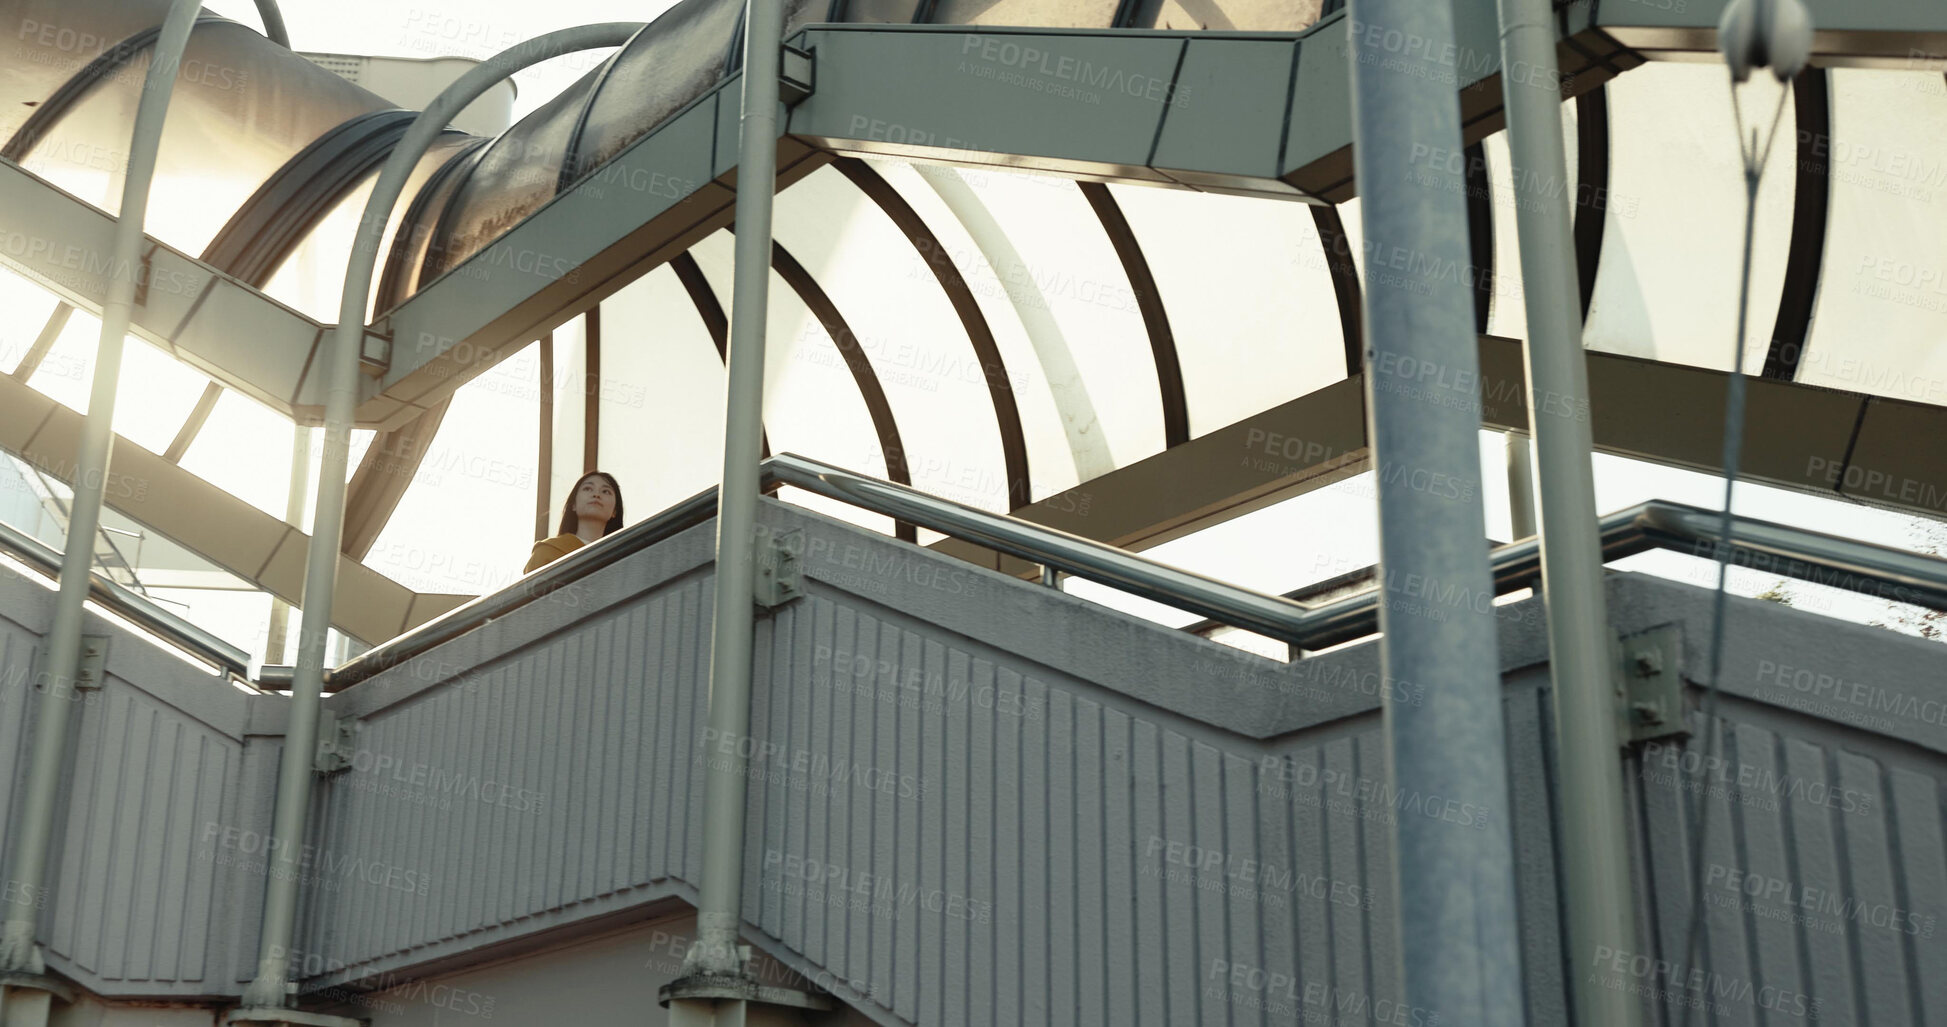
x: 90, y: 669
x: 1649, y: 685
x: 796, y: 77
x: 337, y: 742
x: 93, y: 666
x: 778, y: 574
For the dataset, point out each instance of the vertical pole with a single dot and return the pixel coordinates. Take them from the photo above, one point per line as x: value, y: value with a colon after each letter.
x: 33, y: 824
x: 1595, y: 852
x: 268, y: 990
x: 1521, y: 485
x: 1458, y: 949
x: 294, y: 499
x: 720, y: 908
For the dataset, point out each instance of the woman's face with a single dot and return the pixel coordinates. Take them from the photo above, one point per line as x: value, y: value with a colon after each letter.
x: 595, y: 498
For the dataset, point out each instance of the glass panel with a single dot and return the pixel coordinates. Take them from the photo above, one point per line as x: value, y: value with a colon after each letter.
x: 915, y: 342
x: 812, y: 404
x: 416, y: 243
x: 1667, y: 285
x: 311, y: 279
x: 47, y: 41
x: 513, y: 179
x: 1249, y: 297
x: 466, y: 523
x: 1881, y: 317
x: 245, y: 450
x: 1051, y: 464
x: 68, y: 370
x: 570, y: 413
x: 241, y: 108
x: 155, y: 396
x: 662, y: 394
x: 1082, y: 14
x: 1065, y: 277
x: 659, y: 72
x: 1247, y: 15
x: 28, y: 307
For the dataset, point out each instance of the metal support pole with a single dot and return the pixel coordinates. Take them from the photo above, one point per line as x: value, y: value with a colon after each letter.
x: 720, y: 903
x: 1595, y: 848
x: 294, y: 498
x: 33, y: 823
x: 1455, y: 882
x: 268, y: 990
x: 1521, y: 485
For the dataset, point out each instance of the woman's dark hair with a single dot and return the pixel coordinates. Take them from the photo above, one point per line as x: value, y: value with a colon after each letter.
x: 569, y: 522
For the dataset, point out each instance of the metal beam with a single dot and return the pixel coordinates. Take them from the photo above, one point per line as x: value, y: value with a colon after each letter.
x: 1803, y: 438
x: 257, y: 547
x: 884, y: 424
x: 1000, y: 388
x: 1591, y: 188
x: 57, y: 322
x: 1811, y: 200
x: 1149, y: 301
x: 1337, y: 247
x: 193, y: 423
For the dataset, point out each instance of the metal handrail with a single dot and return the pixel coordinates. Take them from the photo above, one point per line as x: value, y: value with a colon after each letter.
x: 138, y: 609
x: 1863, y: 567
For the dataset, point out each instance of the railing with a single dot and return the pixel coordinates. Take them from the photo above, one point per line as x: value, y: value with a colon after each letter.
x: 1826, y: 559
x: 140, y: 610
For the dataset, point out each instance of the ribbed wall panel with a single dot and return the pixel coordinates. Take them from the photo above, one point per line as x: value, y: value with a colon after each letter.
x: 905, y: 786
x: 1824, y: 880
x: 136, y: 867
x: 590, y: 728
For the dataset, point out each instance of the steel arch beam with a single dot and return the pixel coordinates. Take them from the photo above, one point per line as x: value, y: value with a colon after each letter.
x: 711, y: 312
x: 1592, y: 181
x: 1811, y: 203
x: 1000, y: 388
x: 874, y: 394
x: 1149, y: 301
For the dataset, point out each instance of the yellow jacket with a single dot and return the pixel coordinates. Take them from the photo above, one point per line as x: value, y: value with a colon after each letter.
x: 549, y: 550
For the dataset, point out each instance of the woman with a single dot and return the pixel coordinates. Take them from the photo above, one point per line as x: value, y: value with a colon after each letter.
x: 593, y: 510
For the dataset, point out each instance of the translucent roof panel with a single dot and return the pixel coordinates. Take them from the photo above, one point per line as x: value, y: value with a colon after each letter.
x: 155, y: 392
x: 570, y: 412
x: 47, y: 41
x: 241, y: 108
x: 661, y: 394
x: 517, y: 174
x: 1044, y: 250
x: 1880, y: 325
x: 28, y: 307
x: 903, y: 322
x: 812, y: 404
x: 1249, y: 297
x: 245, y: 450
x: 653, y: 77
x: 479, y: 470
x: 311, y: 279
x: 1051, y: 461
x: 1673, y: 237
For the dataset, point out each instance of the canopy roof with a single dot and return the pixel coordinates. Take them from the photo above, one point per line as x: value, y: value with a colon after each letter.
x: 999, y: 321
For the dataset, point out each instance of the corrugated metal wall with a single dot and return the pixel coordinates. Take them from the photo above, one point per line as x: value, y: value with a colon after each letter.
x: 960, y: 814
x: 143, y: 897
